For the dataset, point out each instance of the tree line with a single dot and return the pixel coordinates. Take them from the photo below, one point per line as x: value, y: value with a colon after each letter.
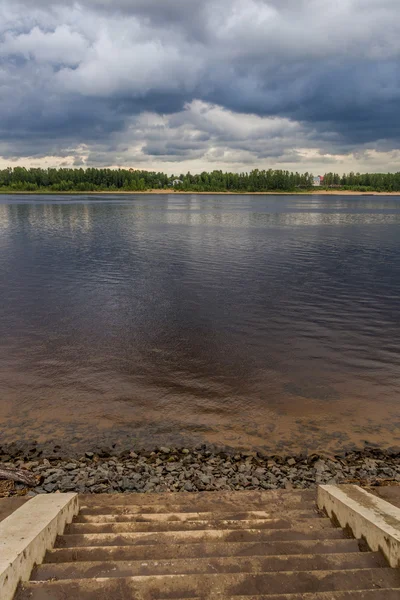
x: 380, y: 182
x: 130, y: 180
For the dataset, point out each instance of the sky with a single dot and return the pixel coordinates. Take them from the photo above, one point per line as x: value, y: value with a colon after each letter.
x: 178, y: 85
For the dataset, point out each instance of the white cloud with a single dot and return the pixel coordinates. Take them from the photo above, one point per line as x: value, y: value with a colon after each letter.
x: 205, y: 136
x: 61, y: 46
x: 130, y: 65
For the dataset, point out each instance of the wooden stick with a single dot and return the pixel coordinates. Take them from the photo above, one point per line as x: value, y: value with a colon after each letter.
x: 19, y: 475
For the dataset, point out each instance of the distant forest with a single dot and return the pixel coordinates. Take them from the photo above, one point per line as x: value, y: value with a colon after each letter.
x: 92, y: 180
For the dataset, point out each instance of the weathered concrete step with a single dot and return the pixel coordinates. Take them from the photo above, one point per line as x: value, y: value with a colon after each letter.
x: 126, y: 527
x: 242, y: 498
x: 366, y: 516
x: 252, y: 564
x: 374, y: 594
x: 194, y: 537
x: 28, y: 533
x: 196, y: 516
x: 227, y: 584
x: 201, y: 507
x: 201, y: 550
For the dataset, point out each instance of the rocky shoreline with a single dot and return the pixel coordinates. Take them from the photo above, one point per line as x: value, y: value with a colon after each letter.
x: 198, y: 469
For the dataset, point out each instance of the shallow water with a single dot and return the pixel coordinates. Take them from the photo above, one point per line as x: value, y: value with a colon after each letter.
x: 249, y: 321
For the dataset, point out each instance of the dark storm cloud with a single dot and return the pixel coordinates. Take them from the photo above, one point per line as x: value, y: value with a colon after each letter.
x: 74, y: 73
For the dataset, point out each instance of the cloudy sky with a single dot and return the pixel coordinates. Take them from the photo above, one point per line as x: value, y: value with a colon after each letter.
x: 201, y: 84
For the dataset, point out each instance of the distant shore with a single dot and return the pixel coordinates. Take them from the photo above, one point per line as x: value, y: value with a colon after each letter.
x: 315, y: 192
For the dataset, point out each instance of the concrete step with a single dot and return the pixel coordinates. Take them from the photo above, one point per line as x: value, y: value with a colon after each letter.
x: 259, y: 524
x: 374, y: 594
x: 220, y: 584
x: 201, y: 550
x: 189, y: 507
x: 299, y: 532
x: 140, y: 517
x: 252, y: 564
x: 277, y: 501
x: 241, y: 498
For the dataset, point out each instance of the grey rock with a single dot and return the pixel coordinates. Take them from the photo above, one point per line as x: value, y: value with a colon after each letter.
x: 149, y: 487
x: 205, y: 479
x: 172, y: 467
x: 320, y: 466
x: 388, y: 472
x: 99, y: 489
x: 268, y: 486
x: 50, y: 487
x: 259, y: 472
x: 190, y: 470
x: 70, y: 466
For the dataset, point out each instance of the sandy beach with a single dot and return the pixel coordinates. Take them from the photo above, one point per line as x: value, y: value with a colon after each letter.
x: 316, y: 192
x: 305, y: 193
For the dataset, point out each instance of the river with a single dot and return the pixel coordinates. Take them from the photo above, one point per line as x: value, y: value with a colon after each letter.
x: 254, y: 322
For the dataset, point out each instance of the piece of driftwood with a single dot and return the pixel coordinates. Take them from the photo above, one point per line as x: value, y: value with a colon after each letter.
x: 6, y: 488
x: 19, y: 475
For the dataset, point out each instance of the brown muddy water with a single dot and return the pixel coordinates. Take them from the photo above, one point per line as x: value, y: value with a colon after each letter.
x: 245, y: 321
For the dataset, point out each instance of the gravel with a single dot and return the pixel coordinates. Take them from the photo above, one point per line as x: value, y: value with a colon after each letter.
x: 200, y: 469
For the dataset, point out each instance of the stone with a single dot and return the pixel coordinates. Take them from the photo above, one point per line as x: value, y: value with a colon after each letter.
x: 70, y: 466
x: 268, y: 486
x: 205, y: 479
x: 149, y: 487
x: 259, y: 472
x: 50, y: 487
x: 388, y: 472
x: 173, y: 469
x: 320, y: 466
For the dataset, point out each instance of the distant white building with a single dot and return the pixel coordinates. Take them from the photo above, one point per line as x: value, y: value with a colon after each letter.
x: 318, y: 181
x: 177, y: 182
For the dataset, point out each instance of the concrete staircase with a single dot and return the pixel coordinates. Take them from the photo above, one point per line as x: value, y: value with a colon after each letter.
x: 242, y: 545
